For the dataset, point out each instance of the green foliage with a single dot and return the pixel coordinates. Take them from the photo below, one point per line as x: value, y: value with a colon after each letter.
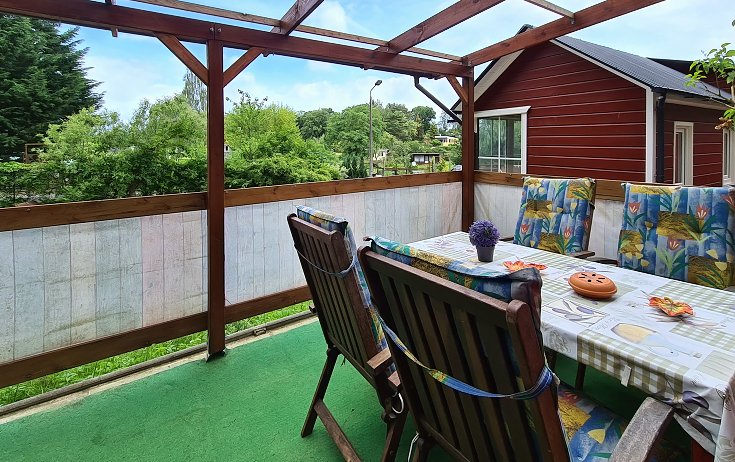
x: 720, y: 63
x: 42, y: 80
x: 254, y: 129
x: 195, y: 92
x: 399, y: 122
x: 424, y: 117
x: 313, y: 124
x: 348, y: 133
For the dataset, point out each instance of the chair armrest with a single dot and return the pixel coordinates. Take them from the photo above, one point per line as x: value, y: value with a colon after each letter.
x: 584, y: 254
x: 647, y: 426
x: 380, y: 362
x: 603, y: 260
x: 506, y: 239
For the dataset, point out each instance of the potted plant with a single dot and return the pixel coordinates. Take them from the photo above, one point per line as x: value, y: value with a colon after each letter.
x: 484, y: 235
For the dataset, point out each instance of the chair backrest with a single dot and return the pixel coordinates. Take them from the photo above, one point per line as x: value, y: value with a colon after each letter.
x: 479, y: 340
x: 336, y: 293
x: 556, y: 214
x: 678, y: 232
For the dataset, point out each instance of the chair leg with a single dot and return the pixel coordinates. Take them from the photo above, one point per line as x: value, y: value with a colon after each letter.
x: 395, y: 422
x: 321, y: 390
x: 422, y: 449
x: 579, y: 381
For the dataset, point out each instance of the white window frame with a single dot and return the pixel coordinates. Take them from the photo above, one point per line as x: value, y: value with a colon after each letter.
x: 728, y: 149
x: 687, y: 128
x: 523, y: 111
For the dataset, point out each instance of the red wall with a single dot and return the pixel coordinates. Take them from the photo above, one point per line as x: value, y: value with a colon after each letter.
x: 707, y: 143
x: 583, y: 121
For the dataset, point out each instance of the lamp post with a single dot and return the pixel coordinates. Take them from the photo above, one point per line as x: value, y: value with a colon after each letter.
x: 370, y: 151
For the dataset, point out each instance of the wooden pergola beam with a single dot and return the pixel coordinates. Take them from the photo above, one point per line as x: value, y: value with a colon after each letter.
x: 102, y: 16
x: 296, y: 15
x: 443, y: 20
x: 185, y: 56
x: 595, y: 14
x: 552, y: 7
x: 230, y: 14
x: 461, y: 92
x: 113, y: 29
x: 293, y: 17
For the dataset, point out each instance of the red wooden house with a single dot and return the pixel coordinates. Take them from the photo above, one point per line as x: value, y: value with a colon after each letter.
x: 568, y: 107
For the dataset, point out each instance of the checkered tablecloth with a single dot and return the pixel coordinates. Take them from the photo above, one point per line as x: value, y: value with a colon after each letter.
x: 686, y: 362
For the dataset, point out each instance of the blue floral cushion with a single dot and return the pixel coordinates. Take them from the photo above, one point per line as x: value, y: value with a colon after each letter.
x: 592, y: 430
x: 556, y: 214
x: 524, y: 285
x: 683, y: 233
x: 334, y: 223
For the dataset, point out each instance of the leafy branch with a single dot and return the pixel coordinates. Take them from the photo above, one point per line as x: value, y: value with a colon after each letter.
x: 719, y: 63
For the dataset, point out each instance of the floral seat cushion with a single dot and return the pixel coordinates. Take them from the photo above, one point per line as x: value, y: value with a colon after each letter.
x: 556, y: 214
x: 333, y: 223
x: 683, y: 233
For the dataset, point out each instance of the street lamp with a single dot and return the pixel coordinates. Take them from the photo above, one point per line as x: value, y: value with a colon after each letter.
x: 370, y: 153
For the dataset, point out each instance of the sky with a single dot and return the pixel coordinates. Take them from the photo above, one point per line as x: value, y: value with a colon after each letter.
x: 131, y: 68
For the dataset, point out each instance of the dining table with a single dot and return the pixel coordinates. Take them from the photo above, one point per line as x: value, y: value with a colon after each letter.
x: 686, y: 360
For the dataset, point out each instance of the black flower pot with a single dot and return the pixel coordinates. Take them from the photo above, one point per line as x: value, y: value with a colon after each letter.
x: 485, y: 253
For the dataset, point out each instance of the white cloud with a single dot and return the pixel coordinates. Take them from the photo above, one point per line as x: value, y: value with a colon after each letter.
x: 330, y: 15
x: 125, y: 82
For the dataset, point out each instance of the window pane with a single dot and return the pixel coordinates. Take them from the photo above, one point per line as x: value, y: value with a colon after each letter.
x: 499, y: 139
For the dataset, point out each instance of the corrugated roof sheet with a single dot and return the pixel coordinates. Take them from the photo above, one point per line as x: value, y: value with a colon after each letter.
x: 643, y: 70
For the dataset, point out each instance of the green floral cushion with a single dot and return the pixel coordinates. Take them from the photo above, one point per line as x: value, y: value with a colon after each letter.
x: 333, y: 223
x: 556, y: 214
x: 683, y: 233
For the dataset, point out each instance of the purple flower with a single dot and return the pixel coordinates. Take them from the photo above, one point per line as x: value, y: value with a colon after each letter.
x: 483, y: 234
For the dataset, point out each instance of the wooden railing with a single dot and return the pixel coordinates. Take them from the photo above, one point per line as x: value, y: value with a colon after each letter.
x: 85, y: 281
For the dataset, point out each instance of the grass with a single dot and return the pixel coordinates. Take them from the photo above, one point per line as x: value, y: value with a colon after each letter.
x: 50, y: 382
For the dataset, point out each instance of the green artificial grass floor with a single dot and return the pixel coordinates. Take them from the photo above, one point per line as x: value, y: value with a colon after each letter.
x: 247, y: 406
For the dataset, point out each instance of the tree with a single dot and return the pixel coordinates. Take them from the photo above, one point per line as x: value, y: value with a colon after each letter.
x: 347, y: 132
x: 424, y: 118
x: 195, y: 92
x: 720, y: 63
x: 399, y: 122
x: 42, y: 80
x: 313, y: 124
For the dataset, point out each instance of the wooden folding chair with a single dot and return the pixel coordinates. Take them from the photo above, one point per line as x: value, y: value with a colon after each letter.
x: 445, y: 338
x: 331, y: 272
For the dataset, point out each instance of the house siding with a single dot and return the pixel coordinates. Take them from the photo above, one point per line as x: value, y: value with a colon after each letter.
x: 707, y: 161
x: 583, y: 121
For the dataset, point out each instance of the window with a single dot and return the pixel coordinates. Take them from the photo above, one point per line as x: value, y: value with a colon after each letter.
x: 728, y: 151
x: 683, y: 152
x: 501, y: 144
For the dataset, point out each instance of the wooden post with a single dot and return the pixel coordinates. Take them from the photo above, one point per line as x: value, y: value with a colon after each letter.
x: 215, y: 199
x: 468, y: 152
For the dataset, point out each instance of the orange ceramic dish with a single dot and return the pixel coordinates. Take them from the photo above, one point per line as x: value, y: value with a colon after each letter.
x: 592, y: 285
x: 519, y: 265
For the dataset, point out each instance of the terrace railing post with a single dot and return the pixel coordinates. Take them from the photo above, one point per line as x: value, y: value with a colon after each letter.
x: 468, y: 151
x: 215, y: 197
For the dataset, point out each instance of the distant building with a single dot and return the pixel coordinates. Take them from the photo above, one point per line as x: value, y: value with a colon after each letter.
x: 446, y: 140
x: 419, y: 158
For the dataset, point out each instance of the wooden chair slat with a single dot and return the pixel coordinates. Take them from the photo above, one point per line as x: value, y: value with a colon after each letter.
x: 449, y: 329
x: 438, y: 360
x: 422, y: 391
x: 418, y: 345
